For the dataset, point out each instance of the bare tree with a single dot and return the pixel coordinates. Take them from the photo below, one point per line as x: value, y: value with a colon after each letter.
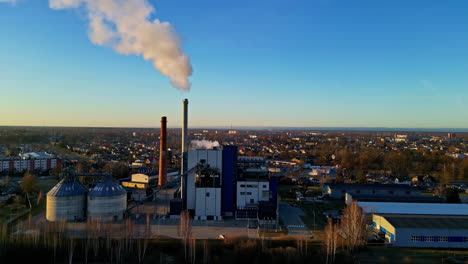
x: 353, y: 227
x: 330, y: 242
x: 185, y: 230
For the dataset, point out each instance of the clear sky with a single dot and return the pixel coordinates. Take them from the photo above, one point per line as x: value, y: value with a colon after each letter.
x: 340, y: 63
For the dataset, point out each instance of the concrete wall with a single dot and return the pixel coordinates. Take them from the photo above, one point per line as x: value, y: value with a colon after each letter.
x: 404, y: 238
x: 251, y: 192
x: 69, y: 208
x: 107, y: 208
x: 208, y: 203
x: 213, y: 157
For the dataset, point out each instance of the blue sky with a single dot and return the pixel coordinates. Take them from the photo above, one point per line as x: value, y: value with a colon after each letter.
x: 256, y: 63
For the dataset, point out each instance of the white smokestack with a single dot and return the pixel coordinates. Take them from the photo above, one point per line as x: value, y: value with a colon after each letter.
x: 204, y: 144
x: 125, y: 26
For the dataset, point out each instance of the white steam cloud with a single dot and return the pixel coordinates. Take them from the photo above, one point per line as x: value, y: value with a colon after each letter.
x: 125, y: 26
x: 204, y: 144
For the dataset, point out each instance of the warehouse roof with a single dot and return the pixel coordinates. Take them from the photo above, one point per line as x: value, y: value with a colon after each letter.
x: 373, y: 186
x: 414, y: 208
x: 397, y: 199
x: 427, y: 221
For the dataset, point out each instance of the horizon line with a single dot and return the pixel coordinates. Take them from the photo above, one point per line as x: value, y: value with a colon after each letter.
x: 318, y: 128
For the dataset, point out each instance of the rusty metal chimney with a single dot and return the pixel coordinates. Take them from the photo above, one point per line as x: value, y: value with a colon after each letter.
x: 162, y: 178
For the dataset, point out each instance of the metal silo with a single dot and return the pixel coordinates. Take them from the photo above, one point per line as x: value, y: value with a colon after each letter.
x: 107, y: 201
x: 66, y: 201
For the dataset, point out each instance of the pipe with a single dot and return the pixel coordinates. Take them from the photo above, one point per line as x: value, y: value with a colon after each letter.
x: 184, y: 150
x: 162, y: 178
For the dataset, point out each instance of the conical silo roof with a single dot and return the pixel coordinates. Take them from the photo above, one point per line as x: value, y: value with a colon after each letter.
x: 107, y: 188
x: 67, y: 187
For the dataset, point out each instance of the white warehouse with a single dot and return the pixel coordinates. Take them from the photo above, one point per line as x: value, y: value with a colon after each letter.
x: 432, y: 231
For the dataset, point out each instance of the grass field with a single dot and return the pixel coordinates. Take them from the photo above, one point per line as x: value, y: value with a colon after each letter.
x: 411, y: 255
x: 15, y: 209
x: 46, y: 184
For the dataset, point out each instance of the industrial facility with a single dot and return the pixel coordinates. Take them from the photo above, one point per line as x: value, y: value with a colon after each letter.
x: 221, y: 184
x: 69, y: 200
x: 214, y: 184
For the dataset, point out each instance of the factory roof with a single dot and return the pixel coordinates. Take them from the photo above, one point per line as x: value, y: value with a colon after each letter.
x: 355, y: 186
x: 396, y: 199
x: 427, y: 221
x: 107, y: 188
x: 67, y: 187
x: 414, y: 208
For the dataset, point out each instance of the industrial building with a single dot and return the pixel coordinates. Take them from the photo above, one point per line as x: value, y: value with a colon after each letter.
x: 339, y: 190
x: 432, y: 231
x: 225, y: 185
x: 396, y: 199
x: 414, y: 208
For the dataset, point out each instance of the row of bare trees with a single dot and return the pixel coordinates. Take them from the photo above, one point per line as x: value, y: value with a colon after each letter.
x: 348, y: 235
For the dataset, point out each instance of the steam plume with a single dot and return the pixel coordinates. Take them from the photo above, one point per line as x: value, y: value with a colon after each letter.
x: 125, y: 26
x: 204, y: 144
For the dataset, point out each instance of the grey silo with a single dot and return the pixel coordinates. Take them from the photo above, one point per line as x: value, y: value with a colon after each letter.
x: 66, y: 201
x: 107, y: 201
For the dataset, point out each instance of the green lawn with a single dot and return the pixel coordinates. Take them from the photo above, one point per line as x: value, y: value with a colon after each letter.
x: 411, y: 255
x: 46, y: 184
x: 9, y: 211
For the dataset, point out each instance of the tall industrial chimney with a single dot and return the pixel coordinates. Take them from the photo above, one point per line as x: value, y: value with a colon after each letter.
x: 162, y: 178
x: 184, y: 150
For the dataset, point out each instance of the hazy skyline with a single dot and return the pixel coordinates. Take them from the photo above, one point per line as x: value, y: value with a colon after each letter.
x: 298, y: 63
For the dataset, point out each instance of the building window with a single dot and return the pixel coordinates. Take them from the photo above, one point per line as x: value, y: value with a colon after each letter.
x: 249, y: 193
x: 264, y: 186
x: 443, y: 239
x: 358, y: 191
x: 242, y: 193
x: 415, y: 238
x: 207, y: 194
x: 242, y: 186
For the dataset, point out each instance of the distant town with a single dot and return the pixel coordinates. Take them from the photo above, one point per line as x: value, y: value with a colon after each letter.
x: 302, y: 187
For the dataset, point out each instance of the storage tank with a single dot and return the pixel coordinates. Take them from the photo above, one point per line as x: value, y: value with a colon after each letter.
x: 66, y: 201
x: 107, y: 201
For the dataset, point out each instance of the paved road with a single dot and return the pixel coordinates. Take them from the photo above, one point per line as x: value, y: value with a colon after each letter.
x: 290, y: 216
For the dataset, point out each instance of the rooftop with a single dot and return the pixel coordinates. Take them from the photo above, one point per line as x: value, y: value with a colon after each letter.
x: 414, y: 208
x: 36, y: 155
x: 369, y: 186
x: 427, y: 221
x: 67, y: 187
